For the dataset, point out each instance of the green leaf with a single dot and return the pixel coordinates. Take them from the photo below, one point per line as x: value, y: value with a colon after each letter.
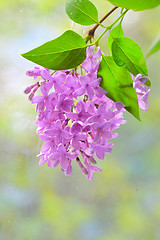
x: 154, y: 47
x: 137, y: 5
x: 82, y: 11
x: 64, y: 52
x: 126, y: 53
x: 119, y: 85
x: 116, y: 32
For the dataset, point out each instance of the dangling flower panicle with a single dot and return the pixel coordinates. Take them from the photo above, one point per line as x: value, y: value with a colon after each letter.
x: 75, y: 119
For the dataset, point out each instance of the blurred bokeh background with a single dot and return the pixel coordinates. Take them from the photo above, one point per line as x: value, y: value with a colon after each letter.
x: 37, y: 202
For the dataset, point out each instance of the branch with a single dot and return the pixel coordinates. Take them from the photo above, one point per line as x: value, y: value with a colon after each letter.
x: 92, y: 31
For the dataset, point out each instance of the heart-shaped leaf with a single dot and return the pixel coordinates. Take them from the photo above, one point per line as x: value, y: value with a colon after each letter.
x: 137, y: 5
x: 116, y: 32
x: 126, y: 53
x: 118, y: 83
x: 82, y: 11
x: 65, y: 52
x: 155, y: 46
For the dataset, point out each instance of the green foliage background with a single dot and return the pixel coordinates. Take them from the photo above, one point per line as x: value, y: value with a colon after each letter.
x: 122, y: 202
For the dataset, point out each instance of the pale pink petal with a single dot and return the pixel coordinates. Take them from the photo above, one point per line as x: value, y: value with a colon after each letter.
x: 95, y: 83
x: 61, y: 149
x: 37, y: 99
x: 95, y: 169
x: 114, y: 135
x: 68, y: 170
x: 51, y: 132
x: 89, y: 176
x: 54, y: 156
x: 106, y: 125
x: 70, y: 81
x: 90, y: 92
x: 71, y: 115
x: 109, y: 115
x: 106, y: 134
x: 46, y: 146
x: 49, y: 163
x: 60, y: 77
x: 66, y: 134
x: 99, y: 92
x: 102, y: 109
x: 89, y: 51
x: 76, y: 127
x: 79, y: 91
x: 98, y: 53
x: 58, y: 124
x: 87, y: 128
x: 119, y: 105
x: 58, y: 88
x: 84, y: 80
x: 42, y: 160
x: 44, y: 137
x: 75, y: 143
x: 44, y: 90
x: 45, y: 74
x: 55, y: 163
x: 143, y: 79
x: 63, y: 162
x: 95, y: 126
x: 95, y: 118
x: 66, y: 106
x: 87, y: 64
x: 40, y: 155
x: 97, y: 136
x: 100, y: 153
x: 72, y: 156
x: 89, y: 151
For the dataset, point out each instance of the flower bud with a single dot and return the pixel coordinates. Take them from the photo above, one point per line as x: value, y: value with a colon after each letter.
x: 27, y: 90
x: 31, y: 95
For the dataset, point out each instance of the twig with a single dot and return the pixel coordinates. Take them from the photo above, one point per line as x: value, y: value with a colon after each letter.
x: 92, y: 31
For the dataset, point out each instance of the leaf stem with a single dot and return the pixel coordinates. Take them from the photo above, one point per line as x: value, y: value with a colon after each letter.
x: 110, y: 26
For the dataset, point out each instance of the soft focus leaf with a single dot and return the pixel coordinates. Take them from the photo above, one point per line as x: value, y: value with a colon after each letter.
x: 155, y: 46
x: 137, y: 5
x: 119, y: 85
x: 126, y: 53
x: 82, y: 11
x: 64, y: 52
x: 116, y: 32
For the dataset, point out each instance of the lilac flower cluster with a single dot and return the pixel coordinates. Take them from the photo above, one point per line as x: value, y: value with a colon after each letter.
x: 75, y: 118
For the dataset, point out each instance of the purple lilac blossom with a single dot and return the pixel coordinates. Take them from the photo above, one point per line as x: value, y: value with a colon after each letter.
x: 142, y: 91
x: 75, y: 118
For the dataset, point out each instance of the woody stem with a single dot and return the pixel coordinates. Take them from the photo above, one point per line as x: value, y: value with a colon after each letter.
x: 92, y: 31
